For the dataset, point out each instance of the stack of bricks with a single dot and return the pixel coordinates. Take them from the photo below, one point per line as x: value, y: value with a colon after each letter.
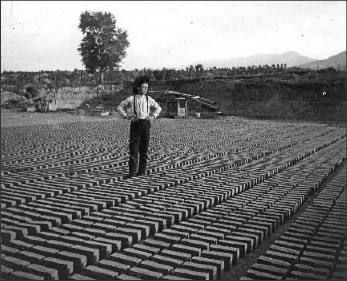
x: 193, y: 218
x: 312, y: 245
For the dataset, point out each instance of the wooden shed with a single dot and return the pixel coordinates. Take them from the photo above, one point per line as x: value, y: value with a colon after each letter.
x: 177, y: 107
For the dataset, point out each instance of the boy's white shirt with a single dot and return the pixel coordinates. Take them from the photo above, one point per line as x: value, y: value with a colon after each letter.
x: 126, y: 107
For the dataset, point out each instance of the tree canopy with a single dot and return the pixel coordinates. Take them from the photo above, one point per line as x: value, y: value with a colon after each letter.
x: 103, y: 45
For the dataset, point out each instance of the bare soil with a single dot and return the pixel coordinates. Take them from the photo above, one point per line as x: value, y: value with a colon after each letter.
x: 15, y: 118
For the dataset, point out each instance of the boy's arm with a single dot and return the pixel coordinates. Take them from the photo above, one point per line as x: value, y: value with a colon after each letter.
x: 121, y: 106
x: 157, y: 108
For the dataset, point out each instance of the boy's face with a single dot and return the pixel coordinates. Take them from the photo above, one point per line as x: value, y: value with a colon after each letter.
x: 142, y: 89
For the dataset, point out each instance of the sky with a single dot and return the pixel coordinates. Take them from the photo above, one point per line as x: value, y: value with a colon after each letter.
x: 44, y: 35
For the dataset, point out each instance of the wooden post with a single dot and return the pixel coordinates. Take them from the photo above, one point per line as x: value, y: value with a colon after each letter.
x: 56, y: 86
x: 179, y: 108
x: 186, y: 108
x: 55, y: 80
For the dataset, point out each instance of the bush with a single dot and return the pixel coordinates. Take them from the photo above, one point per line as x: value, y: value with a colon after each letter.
x: 31, y: 92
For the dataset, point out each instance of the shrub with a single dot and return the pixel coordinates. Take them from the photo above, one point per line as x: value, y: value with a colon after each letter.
x: 31, y: 92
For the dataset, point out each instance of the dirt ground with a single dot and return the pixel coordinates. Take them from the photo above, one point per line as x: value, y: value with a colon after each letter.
x: 15, y: 117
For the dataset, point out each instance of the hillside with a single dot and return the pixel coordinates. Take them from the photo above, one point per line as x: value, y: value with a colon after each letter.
x: 338, y: 61
x: 311, y: 95
x: 290, y: 58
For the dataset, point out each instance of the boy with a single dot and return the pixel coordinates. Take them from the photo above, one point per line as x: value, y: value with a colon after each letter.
x: 137, y: 109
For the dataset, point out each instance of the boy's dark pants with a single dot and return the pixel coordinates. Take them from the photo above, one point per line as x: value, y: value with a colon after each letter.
x: 139, y: 142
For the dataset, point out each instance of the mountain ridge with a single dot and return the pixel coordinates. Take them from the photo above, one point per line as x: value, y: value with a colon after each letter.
x: 290, y: 58
x: 337, y: 61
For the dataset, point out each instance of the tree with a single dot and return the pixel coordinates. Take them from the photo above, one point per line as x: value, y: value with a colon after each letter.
x: 199, y: 68
x: 169, y: 74
x: 31, y: 92
x: 158, y: 74
x: 103, y: 45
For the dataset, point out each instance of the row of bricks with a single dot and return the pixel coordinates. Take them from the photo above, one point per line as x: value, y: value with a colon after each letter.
x: 306, y: 253
x: 74, y: 183
x: 125, y: 216
x: 113, y: 141
x: 22, y: 199
x: 89, y: 169
x: 340, y: 267
x: 59, y: 171
x: 83, y: 140
x: 32, y: 135
x: 46, y: 217
x: 54, y: 177
x: 158, y: 266
x: 89, y: 158
x: 86, y: 159
x: 95, y: 271
x: 58, y: 153
x: 320, y: 257
x: 156, y: 243
x: 102, y: 159
x: 91, y: 163
x: 277, y: 265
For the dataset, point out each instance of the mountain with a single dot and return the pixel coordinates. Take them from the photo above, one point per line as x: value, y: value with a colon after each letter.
x: 290, y: 58
x: 338, y: 61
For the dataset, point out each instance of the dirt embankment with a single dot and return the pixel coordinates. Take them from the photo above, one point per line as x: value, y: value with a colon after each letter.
x: 276, y: 100
x: 89, y: 97
x: 9, y: 96
x: 70, y: 98
x: 249, y: 98
x: 317, y: 101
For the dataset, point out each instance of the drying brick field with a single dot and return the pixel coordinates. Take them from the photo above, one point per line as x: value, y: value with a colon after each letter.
x: 217, y: 191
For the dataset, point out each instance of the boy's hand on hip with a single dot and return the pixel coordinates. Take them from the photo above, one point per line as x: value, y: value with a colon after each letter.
x: 150, y: 118
x: 133, y: 119
x: 130, y: 118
